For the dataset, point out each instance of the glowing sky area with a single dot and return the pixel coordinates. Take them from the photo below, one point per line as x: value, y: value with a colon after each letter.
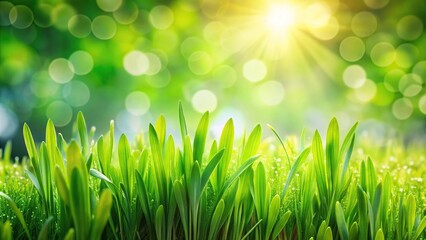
x: 291, y: 64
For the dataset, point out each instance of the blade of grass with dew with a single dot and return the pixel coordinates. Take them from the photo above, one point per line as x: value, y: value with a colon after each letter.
x: 17, y: 212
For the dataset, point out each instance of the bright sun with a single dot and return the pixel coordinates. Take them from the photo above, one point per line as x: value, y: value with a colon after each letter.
x: 280, y: 18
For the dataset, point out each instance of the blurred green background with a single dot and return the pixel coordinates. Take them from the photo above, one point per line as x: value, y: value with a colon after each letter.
x: 291, y: 64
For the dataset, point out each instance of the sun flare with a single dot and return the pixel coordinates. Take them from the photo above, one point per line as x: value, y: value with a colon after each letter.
x: 281, y: 18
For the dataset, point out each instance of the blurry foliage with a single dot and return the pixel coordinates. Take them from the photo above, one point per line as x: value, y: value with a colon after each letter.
x: 256, y: 61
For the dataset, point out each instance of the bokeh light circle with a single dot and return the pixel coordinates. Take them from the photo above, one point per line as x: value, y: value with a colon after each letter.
x: 160, y: 79
x: 161, y: 17
x: 5, y: 8
x: 104, y: 27
x: 327, y: 31
x: 109, y: 5
x: 254, y: 70
x: 422, y: 104
x: 43, y: 15
x: 376, y: 4
x: 8, y: 123
x: 270, y: 93
x: 79, y: 26
x: 127, y: 13
x: 204, y: 100
x: 410, y: 85
x: 420, y: 68
x: 136, y: 63
x: 366, y: 92
x: 137, y: 103
x: 316, y: 14
x: 59, y: 112
x: 42, y: 86
x: 364, y: 24
x: 225, y: 75
x: 354, y: 76
x: 61, y: 14
x: 352, y: 49
x: 407, y: 55
x: 191, y: 45
x: 383, y: 54
x: 213, y: 31
x: 409, y: 27
x: 76, y: 93
x: 200, y: 63
x: 21, y: 16
x: 154, y: 64
x: 402, y: 108
x: 391, y: 79
x: 82, y: 62
x: 61, y: 70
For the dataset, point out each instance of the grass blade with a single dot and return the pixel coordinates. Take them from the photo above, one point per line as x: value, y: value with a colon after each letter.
x: 341, y: 222
x: 200, y: 138
x: 17, y: 212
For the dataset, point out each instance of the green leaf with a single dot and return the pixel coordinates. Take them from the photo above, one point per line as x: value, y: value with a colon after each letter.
x: 321, y: 230
x: 226, y: 142
x: 29, y: 143
x: 341, y: 222
x: 51, y: 140
x: 252, y: 229
x: 43, y: 234
x: 274, y: 209
x: 347, y: 146
x: 282, y: 144
x: 74, y: 158
x: 182, y: 123
x: 160, y: 222
x: 35, y: 182
x: 319, y: 165
x: 82, y: 131
x: 102, y: 214
x: 302, y: 157
x: 79, y: 204
x: 328, y: 235
x: 420, y: 228
x: 353, y: 232
x: 143, y: 198
x: 7, y: 152
x: 62, y: 186
x: 279, y: 226
x: 200, y: 138
x: 182, y: 201
x: 210, y: 168
x: 259, y: 188
x: 215, y: 222
x: 124, y: 158
x: 410, y: 209
x: 332, y: 151
x: 379, y: 235
x: 236, y: 174
x: 362, y: 212
x: 253, y: 143
x: 377, y: 202
x: 17, y: 212
x: 5, y: 231
x: 160, y: 128
x: 70, y: 234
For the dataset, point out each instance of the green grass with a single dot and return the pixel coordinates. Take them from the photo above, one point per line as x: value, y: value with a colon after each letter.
x: 249, y: 188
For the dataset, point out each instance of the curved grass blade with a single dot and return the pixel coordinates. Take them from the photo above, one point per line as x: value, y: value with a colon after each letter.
x: 17, y: 212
